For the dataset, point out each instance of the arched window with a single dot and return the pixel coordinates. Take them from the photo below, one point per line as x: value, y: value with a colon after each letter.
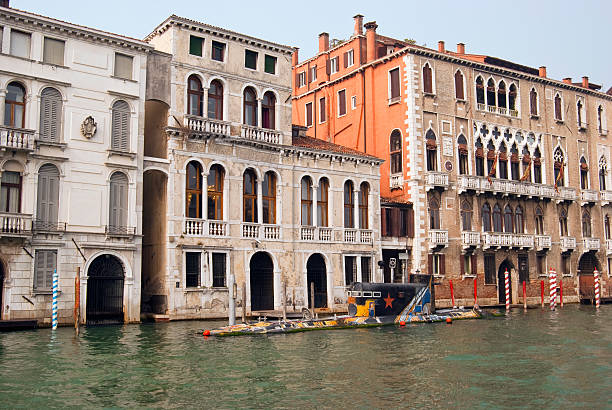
x: 479, y: 158
x: 558, y: 166
x: 249, y: 196
x: 269, y: 198
x: 537, y: 166
x: 558, y: 109
x: 601, y: 120
x: 47, y: 201
x: 579, y: 112
x: 607, y: 226
x: 486, y: 217
x: 120, y: 133
x: 480, y: 94
x: 463, y: 154
x: 490, y: 158
x: 50, y: 115
x: 118, y: 204
x: 603, y: 171
x: 349, y: 205
x: 427, y: 79
x: 501, y: 94
x: 434, y: 213
x: 491, y: 93
x: 250, y: 107
x: 512, y: 99
x: 323, y: 202
x: 459, y: 93
x: 395, y: 148
x: 195, y: 96
x: 519, y: 218
x: 215, y: 179
x: 503, y: 162
x: 498, y: 225
x: 539, y: 221
x: 268, y: 106
x: 14, y: 106
x: 466, y: 215
x: 563, y: 222
x: 432, y: 150
x: 586, y: 224
x: 364, y: 192
x: 215, y: 100
x: 533, y: 102
x: 193, y: 193
x: 306, y: 201
x: 584, y: 174
x: 508, y: 219
x: 515, y: 163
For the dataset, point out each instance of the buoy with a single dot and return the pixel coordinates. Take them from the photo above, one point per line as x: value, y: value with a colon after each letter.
x: 449, y: 320
x: 206, y: 333
x: 402, y: 323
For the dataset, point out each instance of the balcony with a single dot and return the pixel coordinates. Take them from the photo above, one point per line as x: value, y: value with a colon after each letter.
x: 201, y: 227
x: 566, y: 194
x: 206, y: 126
x: 325, y: 234
x: 591, y: 244
x: 260, y: 134
x: 396, y: 181
x: 365, y: 236
x: 542, y: 242
x: 507, y: 240
x: 255, y: 230
x: 48, y: 227
x: 567, y: 243
x: 606, y: 197
x: 15, y: 224
x: 523, y: 241
x: 588, y: 196
x: 16, y: 139
x: 119, y: 231
x: 307, y: 233
x: 250, y: 230
x: 467, y: 183
x: 608, y: 246
x: 271, y: 232
x: 438, y: 238
x: 470, y: 239
x: 435, y: 179
x: 358, y: 236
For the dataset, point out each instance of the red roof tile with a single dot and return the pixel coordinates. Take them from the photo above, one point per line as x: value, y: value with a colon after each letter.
x: 317, y: 144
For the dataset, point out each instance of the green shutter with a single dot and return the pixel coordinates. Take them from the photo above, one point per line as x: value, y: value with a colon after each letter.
x: 195, y: 45
x: 270, y: 65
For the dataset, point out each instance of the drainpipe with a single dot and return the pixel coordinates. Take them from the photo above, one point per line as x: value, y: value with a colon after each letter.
x: 363, y: 109
x: 314, y: 116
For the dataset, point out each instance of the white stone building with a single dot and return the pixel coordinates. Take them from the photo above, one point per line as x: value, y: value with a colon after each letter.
x: 71, y: 160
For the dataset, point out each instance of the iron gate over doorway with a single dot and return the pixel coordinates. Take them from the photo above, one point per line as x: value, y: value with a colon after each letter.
x: 105, y: 291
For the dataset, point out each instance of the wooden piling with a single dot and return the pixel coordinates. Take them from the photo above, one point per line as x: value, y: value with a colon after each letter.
x: 284, y: 300
x: 312, y: 299
x: 243, y: 302
x: 77, y: 299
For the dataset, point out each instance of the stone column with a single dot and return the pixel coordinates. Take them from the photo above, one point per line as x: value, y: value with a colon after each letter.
x: 205, y: 103
x: 314, y: 205
x: 356, y: 209
x: 204, y: 195
x: 259, y: 201
x: 2, y: 100
x: 258, y: 114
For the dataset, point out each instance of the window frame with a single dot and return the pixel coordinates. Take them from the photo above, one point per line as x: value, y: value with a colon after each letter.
x: 393, y: 99
x: 249, y: 198
x: 269, y: 185
x: 364, y: 193
x: 462, y: 82
x: 350, y: 58
x: 428, y: 86
x: 301, y: 79
x: 341, y: 107
x: 131, y: 72
x: 323, y: 202
x: 395, y: 155
x: 10, y: 122
x: 191, y: 192
x: 217, y: 98
x: 349, y: 205
x: 120, y: 140
x: 308, y: 114
x: 191, y: 44
x: 197, y: 275
x: 197, y: 93
x: 28, y: 55
x: 44, y: 60
x: 10, y: 186
x: 47, y: 285
x: 275, y: 61
x: 270, y: 109
x: 251, y: 106
x: 248, y: 52
x: 322, y: 110
x: 213, y: 45
x: 306, y: 202
x: 215, y: 195
x: 334, y: 63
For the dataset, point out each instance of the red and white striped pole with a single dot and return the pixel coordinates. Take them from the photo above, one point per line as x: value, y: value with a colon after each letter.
x: 507, y: 283
x: 552, y: 281
x: 597, y: 295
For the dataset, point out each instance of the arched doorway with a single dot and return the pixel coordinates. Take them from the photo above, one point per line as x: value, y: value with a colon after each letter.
x: 105, y: 290
x: 316, y: 273
x: 262, y: 282
x: 501, y: 280
x: 586, y: 265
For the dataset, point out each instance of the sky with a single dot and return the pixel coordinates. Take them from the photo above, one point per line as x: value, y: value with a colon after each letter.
x: 570, y: 38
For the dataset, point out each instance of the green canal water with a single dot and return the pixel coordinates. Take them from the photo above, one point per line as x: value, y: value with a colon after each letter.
x: 531, y: 359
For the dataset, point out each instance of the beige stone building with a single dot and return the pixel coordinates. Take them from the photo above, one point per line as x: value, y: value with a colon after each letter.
x: 229, y: 189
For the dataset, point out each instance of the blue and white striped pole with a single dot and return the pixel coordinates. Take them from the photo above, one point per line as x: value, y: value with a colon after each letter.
x: 54, y: 305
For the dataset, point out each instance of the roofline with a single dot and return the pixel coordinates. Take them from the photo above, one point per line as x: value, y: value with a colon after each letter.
x: 178, y: 20
x: 76, y: 28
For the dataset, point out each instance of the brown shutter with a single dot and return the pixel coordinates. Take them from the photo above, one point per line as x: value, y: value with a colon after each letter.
x: 430, y: 264
x: 327, y: 67
x: 345, y: 57
x: 395, y: 218
x: 474, y: 259
x: 383, y: 222
x: 410, y: 223
x: 395, y: 80
x: 462, y: 264
x: 309, y: 75
x: 297, y: 80
x: 443, y: 265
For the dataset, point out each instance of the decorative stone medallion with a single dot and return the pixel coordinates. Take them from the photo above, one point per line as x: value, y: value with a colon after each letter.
x: 89, y: 127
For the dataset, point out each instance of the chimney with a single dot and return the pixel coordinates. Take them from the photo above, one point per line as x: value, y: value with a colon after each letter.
x: 295, y: 57
x: 567, y: 80
x: 460, y: 48
x: 4, y: 3
x: 441, y: 46
x: 358, y: 31
x: 543, y: 71
x: 370, y: 41
x: 323, y: 42
x: 585, y: 82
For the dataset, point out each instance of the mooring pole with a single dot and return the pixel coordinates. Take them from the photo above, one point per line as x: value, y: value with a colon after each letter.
x: 284, y: 300
x: 475, y: 292
x: 77, y: 299
x: 507, y: 286
x: 293, y: 300
x: 232, y: 299
x: 596, y: 287
x: 525, y: 295
x: 542, y: 292
x: 452, y: 292
x: 243, y: 302
x: 312, y: 299
x: 552, y: 283
x: 54, y: 301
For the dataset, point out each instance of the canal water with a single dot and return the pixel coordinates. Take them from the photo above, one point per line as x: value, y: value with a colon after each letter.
x: 530, y: 359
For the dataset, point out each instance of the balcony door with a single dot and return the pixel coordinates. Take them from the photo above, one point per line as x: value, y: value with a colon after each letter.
x: 48, y: 197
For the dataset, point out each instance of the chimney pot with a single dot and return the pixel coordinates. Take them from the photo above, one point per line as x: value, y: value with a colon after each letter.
x: 441, y: 46
x: 295, y: 57
x: 323, y: 42
x: 543, y: 71
x: 358, y: 31
x: 585, y: 82
x: 567, y: 80
x: 370, y: 40
x: 461, y: 48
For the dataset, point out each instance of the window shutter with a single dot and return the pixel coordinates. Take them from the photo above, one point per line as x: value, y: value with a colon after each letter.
x: 120, y: 126
x: 50, y: 115
x: 410, y: 223
x: 443, y: 265
x: 39, y: 281
x: 430, y: 264
x: 474, y: 259
x: 42, y: 202
x: 309, y: 75
x: 48, y: 194
x: 328, y: 67
x: 395, y: 87
x: 395, y: 218
x: 297, y: 80
x: 345, y: 57
x: 53, y: 198
x: 462, y: 264
x: 383, y: 222
x: 51, y: 262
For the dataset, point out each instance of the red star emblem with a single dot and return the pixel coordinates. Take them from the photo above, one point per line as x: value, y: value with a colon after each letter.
x: 388, y: 301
